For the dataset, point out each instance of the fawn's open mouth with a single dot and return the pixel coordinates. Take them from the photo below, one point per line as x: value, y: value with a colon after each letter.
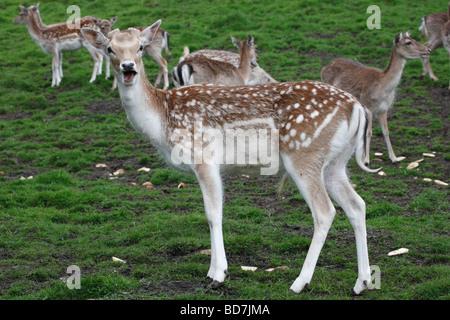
x: 128, y: 76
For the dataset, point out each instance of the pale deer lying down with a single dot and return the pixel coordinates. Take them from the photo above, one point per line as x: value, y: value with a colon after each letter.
x: 257, y: 74
x: 200, y: 69
x: 311, y: 128
x: 431, y: 27
x: 58, y: 38
x: 373, y: 87
x: 154, y: 50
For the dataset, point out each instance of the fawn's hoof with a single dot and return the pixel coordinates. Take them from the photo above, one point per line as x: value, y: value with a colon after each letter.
x: 215, y: 284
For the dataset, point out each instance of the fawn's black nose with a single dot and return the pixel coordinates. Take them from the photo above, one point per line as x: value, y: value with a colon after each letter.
x: 128, y: 66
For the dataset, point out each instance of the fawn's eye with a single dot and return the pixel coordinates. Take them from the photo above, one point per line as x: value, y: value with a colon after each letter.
x: 110, y: 50
x: 141, y: 47
x: 408, y: 43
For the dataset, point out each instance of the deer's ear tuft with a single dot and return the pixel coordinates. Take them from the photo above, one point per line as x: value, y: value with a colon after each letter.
x: 95, y: 38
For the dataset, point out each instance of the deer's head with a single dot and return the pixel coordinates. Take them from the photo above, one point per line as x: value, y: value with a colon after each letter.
x: 410, y: 48
x: 125, y: 50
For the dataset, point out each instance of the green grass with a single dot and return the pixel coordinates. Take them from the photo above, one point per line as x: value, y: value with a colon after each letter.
x: 72, y: 213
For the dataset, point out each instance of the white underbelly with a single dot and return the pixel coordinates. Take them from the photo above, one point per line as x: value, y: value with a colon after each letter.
x: 70, y: 44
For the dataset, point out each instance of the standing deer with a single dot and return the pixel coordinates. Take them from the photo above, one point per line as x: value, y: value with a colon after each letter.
x: 373, y: 87
x: 314, y: 129
x: 58, y: 38
x: 257, y: 74
x: 431, y: 27
x: 105, y: 27
x: 200, y: 69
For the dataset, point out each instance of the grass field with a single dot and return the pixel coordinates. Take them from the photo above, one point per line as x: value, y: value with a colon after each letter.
x: 72, y: 213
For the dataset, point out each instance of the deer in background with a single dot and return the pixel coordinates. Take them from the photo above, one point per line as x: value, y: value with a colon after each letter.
x: 373, y: 87
x: 154, y: 50
x: 314, y: 130
x: 432, y: 27
x: 445, y: 32
x: 257, y: 75
x: 104, y: 26
x: 58, y: 38
x: 199, y: 69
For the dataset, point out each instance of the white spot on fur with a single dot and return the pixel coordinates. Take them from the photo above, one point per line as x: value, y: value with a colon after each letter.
x: 307, y: 142
x: 293, y: 132
x: 303, y: 136
x: 314, y: 114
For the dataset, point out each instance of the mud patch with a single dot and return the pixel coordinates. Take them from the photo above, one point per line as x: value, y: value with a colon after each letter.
x: 104, y: 107
x: 171, y: 289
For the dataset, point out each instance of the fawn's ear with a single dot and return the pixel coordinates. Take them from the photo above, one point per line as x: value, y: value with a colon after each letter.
x: 398, y: 37
x: 113, y: 20
x: 250, y: 41
x: 235, y: 41
x: 149, y: 33
x: 95, y: 38
x: 408, y: 34
x: 23, y: 9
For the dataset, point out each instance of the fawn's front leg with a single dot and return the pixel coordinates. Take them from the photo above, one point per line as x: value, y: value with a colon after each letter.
x: 211, y: 186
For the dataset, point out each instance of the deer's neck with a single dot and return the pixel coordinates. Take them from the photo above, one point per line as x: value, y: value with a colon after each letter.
x: 143, y: 109
x: 244, y: 66
x: 35, y: 28
x: 393, y: 72
x: 38, y: 20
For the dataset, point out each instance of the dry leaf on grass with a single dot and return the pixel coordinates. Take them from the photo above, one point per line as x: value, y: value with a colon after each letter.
x: 398, y: 252
x: 118, y: 172
x: 414, y: 164
x: 282, y: 268
x: 246, y: 268
x: 148, y: 185
x: 431, y: 155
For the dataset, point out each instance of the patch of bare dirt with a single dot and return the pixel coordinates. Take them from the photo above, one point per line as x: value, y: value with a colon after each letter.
x: 104, y: 107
